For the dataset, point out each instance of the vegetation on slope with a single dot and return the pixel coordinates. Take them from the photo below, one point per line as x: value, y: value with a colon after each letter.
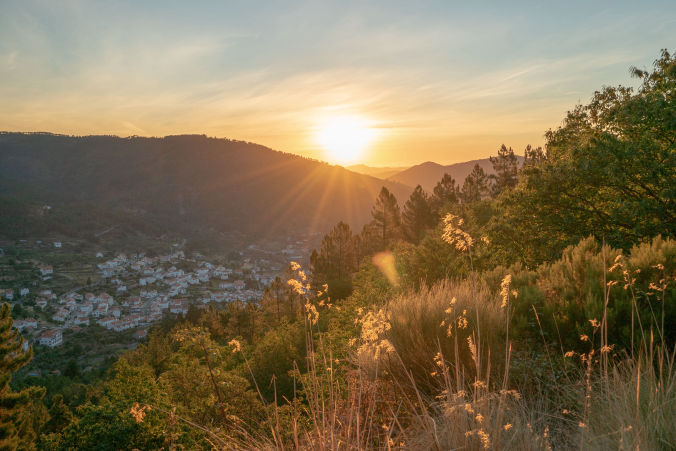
x: 517, y: 319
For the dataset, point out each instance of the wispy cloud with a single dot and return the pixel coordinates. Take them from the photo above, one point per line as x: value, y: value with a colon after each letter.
x: 450, y: 80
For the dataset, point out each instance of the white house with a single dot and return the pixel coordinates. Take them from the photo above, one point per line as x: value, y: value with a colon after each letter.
x: 24, y: 292
x: 7, y: 294
x: 61, y: 316
x: 46, y: 270
x: 81, y: 320
x: 51, y: 338
x: 57, y: 244
x: 107, y: 322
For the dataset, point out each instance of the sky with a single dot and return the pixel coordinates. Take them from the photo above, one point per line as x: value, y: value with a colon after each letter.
x: 443, y: 81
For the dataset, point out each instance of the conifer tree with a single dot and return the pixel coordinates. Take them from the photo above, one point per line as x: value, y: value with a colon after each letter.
x: 387, y: 217
x: 14, y: 406
x: 475, y: 187
x: 506, y: 168
x: 417, y: 217
x: 336, y: 261
x: 445, y: 195
x: 533, y: 156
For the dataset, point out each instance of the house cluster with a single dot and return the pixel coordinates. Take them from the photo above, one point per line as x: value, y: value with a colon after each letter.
x: 144, y: 289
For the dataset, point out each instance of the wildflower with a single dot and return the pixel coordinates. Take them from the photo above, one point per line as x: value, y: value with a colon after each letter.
x: 485, y: 240
x: 652, y: 286
x: 584, y: 337
x: 606, y: 349
x: 485, y: 438
x: 472, y: 348
x: 581, y: 425
x: 659, y: 266
x: 569, y: 354
x: 507, y: 427
x: 312, y: 313
x: 462, y: 322
x: 479, y: 418
x: 504, y: 290
x: 438, y: 359
x: 454, y: 235
x: 468, y: 408
x: 595, y: 323
x: 236, y: 345
x: 139, y: 412
x: 479, y: 384
x: 296, y: 286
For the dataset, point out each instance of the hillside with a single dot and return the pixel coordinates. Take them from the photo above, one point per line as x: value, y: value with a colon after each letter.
x: 429, y: 173
x: 380, y: 172
x: 188, y: 183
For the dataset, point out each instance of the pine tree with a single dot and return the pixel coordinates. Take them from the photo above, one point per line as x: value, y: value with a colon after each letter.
x: 14, y: 406
x: 336, y: 261
x: 475, y: 187
x: 506, y: 168
x: 446, y: 195
x: 533, y: 156
x: 387, y: 217
x: 417, y: 216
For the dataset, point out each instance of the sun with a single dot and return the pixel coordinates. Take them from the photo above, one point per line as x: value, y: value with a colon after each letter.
x: 345, y: 138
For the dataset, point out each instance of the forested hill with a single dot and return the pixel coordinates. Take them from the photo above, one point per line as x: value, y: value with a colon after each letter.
x: 189, y: 182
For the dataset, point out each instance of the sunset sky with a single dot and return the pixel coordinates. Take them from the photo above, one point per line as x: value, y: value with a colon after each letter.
x: 444, y: 81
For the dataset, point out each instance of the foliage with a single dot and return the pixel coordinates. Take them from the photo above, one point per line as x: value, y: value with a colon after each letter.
x: 15, y: 406
x: 417, y: 217
x: 608, y: 172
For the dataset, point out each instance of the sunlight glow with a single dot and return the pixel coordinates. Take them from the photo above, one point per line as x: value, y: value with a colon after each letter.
x: 345, y: 138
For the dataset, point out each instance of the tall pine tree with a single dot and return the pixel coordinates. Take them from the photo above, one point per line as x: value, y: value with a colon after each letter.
x: 386, y: 217
x: 445, y: 196
x: 336, y: 261
x: 417, y: 217
x: 475, y: 187
x: 506, y: 167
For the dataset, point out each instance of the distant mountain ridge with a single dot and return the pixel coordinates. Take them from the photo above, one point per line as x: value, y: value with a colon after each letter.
x: 189, y: 182
x: 429, y: 173
x: 375, y: 171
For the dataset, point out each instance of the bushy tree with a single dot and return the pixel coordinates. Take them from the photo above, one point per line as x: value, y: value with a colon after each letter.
x: 609, y: 172
x: 14, y: 405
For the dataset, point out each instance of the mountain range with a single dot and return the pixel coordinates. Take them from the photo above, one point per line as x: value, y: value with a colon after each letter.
x: 188, y: 183
x: 429, y: 173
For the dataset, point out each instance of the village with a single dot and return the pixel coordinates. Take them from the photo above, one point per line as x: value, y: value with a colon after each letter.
x: 128, y: 292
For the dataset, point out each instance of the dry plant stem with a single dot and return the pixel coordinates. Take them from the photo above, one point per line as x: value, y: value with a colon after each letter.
x: 544, y: 341
x: 221, y: 404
